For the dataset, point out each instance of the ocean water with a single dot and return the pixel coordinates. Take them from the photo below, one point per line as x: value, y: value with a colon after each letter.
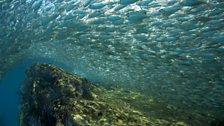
x: 9, y: 95
x: 172, y: 50
x: 10, y: 87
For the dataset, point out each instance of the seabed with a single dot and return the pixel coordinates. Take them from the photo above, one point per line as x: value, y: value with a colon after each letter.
x: 51, y: 96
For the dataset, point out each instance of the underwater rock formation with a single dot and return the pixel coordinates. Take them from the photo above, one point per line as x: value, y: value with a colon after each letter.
x: 52, y: 97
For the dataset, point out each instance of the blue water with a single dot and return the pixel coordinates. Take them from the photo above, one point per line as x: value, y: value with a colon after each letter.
x: 9, y: 90
x: 171, y: 49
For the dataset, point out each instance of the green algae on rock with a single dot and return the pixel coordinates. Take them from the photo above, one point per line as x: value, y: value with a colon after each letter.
x: 52, y: 97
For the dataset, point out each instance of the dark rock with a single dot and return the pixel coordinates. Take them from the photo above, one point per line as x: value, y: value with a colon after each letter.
x: 53, y: 97
x: 218, y: 122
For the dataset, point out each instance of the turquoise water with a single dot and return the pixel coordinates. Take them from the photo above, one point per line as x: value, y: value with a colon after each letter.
x: 170, y: 49
x: 10, y: 88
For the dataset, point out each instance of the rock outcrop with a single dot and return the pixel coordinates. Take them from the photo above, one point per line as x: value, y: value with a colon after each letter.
x: 52, y: 97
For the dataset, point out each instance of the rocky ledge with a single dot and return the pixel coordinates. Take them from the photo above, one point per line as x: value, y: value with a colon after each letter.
x: 52, y: 97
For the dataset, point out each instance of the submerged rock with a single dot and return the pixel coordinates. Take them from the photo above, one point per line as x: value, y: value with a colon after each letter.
x: 52, y: 97
x: 218, y: 122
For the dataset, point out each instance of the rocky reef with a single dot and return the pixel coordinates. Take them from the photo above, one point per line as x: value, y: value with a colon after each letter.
x: 51, y: 96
